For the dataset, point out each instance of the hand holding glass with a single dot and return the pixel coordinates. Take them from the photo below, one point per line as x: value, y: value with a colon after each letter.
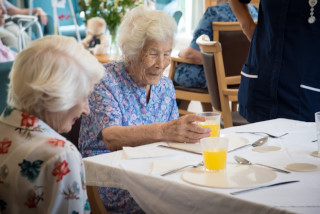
x: 214, y: 150
x: 212, y: 122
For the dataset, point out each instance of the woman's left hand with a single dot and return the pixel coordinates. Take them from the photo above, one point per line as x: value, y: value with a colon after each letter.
x: 185, y: 129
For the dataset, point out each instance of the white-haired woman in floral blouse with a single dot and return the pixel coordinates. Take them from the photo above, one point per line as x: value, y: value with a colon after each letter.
x: 40, y: 171
x: 134, y: 104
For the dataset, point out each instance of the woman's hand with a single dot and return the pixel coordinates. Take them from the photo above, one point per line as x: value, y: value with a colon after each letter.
x: 185, y: 129
x: 43, y: 16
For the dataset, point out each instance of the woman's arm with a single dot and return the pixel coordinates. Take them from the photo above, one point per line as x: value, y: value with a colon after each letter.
x: 242, y: 13
x: 180, y: 130
x: 35, y: 11
x: 191, y: 54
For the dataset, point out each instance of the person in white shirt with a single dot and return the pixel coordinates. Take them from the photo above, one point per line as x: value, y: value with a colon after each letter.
x: 40, y: 171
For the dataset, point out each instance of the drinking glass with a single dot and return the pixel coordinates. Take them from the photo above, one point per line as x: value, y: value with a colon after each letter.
x: 212, y: 121
x: 214, y: 150
x: 317, y: 119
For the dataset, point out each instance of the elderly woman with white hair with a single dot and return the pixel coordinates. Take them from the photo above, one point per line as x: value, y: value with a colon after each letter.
x: 40, y: 171
x: 134, y: 104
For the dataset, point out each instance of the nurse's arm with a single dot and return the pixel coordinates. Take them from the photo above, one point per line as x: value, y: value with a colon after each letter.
x: 241, y: 11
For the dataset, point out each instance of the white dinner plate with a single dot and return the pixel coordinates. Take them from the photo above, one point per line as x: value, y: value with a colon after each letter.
x: 234, y: 176
x: 235, y: 141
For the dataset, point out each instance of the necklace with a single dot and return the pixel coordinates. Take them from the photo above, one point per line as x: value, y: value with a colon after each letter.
x: 312, y: 3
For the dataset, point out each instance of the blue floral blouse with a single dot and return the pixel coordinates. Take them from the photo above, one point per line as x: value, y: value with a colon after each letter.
x: 40, y: 171
x: 118, y: 101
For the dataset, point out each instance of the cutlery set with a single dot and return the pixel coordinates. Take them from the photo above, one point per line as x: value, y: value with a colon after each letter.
x: 238, y: 159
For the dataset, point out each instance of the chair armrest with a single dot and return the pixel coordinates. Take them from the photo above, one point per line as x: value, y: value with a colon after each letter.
x: 175, y: 60
x: 230, y: 92
x: 233, y: 80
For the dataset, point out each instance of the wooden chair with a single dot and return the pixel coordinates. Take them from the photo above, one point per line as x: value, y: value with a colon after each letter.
x: 188, y: 94
x: 209, y: 3
x: 223, y: 82
x: 97, y: 207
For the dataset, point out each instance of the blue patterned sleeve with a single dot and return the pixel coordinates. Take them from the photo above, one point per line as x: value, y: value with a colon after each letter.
x: 174, y: 110
x: 104, y: 107
x: 218, y: 13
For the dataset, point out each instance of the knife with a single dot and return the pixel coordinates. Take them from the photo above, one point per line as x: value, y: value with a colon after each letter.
x: 261, y: 187
x: 184, y: 150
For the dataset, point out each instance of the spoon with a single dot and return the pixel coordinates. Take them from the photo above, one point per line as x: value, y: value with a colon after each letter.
x: 259, y: 142
x: 244, y: 161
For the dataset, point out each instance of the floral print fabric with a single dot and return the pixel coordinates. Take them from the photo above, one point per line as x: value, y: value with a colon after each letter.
x: 40, y: 172
x: 118, y: 101
x: 190, y: 75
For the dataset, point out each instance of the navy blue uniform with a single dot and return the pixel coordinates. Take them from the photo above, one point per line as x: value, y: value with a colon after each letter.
x: 281, y: 77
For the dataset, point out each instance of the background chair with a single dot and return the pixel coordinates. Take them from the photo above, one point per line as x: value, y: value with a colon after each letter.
x: 236, y: 47
x: 5, y: 68
x: 188, y: 94
x: 223, y: 82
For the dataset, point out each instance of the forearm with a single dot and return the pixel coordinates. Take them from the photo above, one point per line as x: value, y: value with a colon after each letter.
x: 241, y: 11
x: 191, y: 54
x: 116, y: 137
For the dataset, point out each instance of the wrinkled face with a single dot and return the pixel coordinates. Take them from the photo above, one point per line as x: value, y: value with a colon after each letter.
x: 62, y: 121
x: 153, y: 60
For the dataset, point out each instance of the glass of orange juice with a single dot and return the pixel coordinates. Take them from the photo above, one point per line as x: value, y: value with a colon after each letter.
x: 214, y: 150
x: 212, y: 121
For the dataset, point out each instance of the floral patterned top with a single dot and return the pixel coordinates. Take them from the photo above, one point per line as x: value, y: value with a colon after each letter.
x: 40, y: 171
x: 118, y: 101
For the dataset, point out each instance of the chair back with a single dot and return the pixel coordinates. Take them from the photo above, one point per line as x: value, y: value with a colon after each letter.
x: 235, y: 47
x: 223, y: 68
x: 5, y: 68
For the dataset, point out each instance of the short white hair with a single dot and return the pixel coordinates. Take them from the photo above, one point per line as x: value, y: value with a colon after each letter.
x: 52, y: 74
x: 142, y: 24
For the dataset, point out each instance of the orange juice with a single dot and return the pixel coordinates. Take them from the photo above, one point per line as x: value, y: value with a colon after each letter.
x: 215, y: 158
x: 213, y: 125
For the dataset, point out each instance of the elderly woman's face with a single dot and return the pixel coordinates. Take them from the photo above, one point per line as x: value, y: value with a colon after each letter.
x: 62, y: 121
x: 154, y: 58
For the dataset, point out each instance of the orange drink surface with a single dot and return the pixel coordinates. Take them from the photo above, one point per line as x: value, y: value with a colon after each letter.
x: 213, y: 125
x: 215, y: 158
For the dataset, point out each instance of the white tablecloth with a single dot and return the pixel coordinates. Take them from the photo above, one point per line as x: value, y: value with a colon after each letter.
x: 170, y: 194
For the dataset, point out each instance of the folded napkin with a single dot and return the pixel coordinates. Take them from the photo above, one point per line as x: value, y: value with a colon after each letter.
x: 146, y: 152
x: 162, y: 166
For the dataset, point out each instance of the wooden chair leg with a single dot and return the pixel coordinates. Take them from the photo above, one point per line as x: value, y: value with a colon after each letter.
x: 234, y: 106
x: 97, y: 207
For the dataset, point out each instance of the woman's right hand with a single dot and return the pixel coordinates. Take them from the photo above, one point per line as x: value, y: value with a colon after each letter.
x: 185, y: 129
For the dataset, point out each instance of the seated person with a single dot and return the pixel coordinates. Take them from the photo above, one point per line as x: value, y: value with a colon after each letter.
x: 191, y: 75
x: 10, y: 31
x: 40, y: 171
x: 6, y: 54
x: 134, y: 104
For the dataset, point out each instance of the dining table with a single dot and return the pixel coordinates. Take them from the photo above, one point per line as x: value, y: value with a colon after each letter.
x: 140, y: 174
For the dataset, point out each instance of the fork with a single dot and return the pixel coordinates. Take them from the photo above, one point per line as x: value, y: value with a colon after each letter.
x: 270, y: 135
x: 181, y: 168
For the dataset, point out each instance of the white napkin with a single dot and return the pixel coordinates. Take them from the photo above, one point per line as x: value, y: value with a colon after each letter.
x: 146, y: 152
x: 162, y: 166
